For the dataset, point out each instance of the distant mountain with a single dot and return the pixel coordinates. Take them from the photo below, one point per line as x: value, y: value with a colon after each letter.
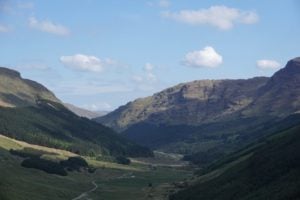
x: 280, y: 96
x: 190, y: 103
x: 267, y: 169
x: 32, y: 113
x: 16, y: 91
x: 215, y: 116
x: 84, y: 112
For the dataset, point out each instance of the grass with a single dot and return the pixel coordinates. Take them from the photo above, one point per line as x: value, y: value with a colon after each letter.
x: 269, y: 169
x: 114, y: 181
x: 135, y: 185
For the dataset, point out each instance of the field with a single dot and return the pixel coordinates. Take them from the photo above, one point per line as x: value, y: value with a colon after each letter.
x: 110, y: 181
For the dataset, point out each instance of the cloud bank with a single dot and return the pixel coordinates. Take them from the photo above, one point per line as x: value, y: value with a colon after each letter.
x: 221, y: 17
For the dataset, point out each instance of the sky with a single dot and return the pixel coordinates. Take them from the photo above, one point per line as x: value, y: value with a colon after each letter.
x: 100, y: 54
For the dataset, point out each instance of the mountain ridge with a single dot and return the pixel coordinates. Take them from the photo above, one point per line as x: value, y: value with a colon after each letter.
x: 32, y: 113
x: 167, y: 99
x: 16, y: 91
x: 211, y: 115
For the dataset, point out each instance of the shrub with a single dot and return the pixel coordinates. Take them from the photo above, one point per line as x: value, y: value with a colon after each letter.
x: 74, y: 163
x: 122, y: 160
x: 44, y: 165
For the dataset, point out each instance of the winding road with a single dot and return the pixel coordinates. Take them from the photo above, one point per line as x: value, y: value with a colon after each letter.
x: 85, y: 194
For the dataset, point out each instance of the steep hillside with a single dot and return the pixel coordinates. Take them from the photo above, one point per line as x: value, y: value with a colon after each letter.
x: 209, y: 116
x: 30, y: 112
x: 280, y: 96
x: 51, y: 124
x: 268, y: 169
x: 189, y: 104
x: 16, y: 91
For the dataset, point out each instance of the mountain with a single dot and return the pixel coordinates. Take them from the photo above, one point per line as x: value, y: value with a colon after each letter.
x: 280, y: 96
x: 31, y: 113
x: 267, y: 169
x: 209, y: 116
x: 81, y: 112
x: 16, y: 91
x: 190, y: 103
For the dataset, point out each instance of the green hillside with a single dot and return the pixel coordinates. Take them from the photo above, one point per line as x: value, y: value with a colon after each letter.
x: 114, y: 181
x: 268, y: 169
x: 51, y: 124
x: 209, y: 118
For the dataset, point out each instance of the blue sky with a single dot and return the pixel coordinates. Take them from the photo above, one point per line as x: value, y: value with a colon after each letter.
x: 101, y: 54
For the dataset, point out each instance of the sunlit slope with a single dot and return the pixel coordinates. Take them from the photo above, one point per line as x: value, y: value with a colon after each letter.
x: 17, y: 91
x: 114, y: 181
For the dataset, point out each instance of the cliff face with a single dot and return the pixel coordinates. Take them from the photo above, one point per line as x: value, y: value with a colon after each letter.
x: 209, y: 114
x: 16, y: 91
x: 204, y: 101
x: 190, y: 103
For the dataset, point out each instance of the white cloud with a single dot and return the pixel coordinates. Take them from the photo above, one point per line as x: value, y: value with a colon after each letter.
x: 151, y: 77
x: 164, y: 3
x: 148, y: 77
x: 4, y: 29
x: 267, y: 64
x: 207, y: 57
x: 100, y: 106
x: 147, y: 80
x: 222, y: 17
x: 86, y: 62
x: 48, y: 26
x: 148, y: 67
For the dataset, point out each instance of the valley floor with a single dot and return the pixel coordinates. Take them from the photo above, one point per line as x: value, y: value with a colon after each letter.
x: 110, y: 181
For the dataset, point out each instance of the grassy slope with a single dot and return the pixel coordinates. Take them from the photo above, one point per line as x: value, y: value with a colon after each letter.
x: 51, y: 124
x: 115, y: 181
x: 269, y: 169
x: 16, y: 91
x: 17, y: 182
x: 245, y: 133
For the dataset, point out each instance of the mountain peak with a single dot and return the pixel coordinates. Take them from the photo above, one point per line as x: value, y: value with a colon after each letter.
x: 9, y: 72
x: 16, y: 91
x: 297, y: 59
x: 290, y: 73
x: 294, y: 64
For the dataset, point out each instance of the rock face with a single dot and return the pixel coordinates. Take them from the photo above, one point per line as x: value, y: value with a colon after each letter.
x: 189, y: 104
x: 205, y: 101
x: 16, y: 91
x: 200, y: 110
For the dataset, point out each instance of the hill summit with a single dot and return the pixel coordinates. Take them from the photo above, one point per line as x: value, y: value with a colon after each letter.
x: 208, y: 115
x: 16, y: 91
